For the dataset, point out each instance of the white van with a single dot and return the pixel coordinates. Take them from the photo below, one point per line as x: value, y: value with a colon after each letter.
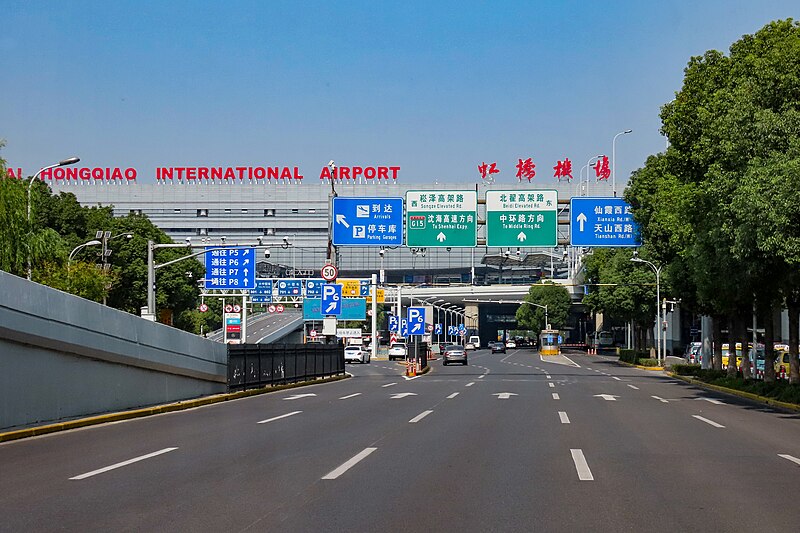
x: 475, y: 341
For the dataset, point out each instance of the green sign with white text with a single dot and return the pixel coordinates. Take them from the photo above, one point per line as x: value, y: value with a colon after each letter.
x: 441, y: 219
x: 521, y: 218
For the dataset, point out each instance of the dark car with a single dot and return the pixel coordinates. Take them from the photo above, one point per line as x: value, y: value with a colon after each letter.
x: 497, y: 347
x: 454, y: 353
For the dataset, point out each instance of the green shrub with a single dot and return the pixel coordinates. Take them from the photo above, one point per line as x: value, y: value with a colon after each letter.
x: 648, y: 362
x: 686, y: 370
x: 781, y: 391
x: 631, y: 356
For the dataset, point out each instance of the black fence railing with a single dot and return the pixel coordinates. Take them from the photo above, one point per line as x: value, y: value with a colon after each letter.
x: 251, y: 366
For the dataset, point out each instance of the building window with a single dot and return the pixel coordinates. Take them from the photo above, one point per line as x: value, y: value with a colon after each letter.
x: 269, y: 212
x: 312, y: 211
x: 295, y: 210
x: 270, y: 231
x: 202, y: 212
x: 244, y: 211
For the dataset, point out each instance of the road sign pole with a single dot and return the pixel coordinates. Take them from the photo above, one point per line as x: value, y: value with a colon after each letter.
x: 373, y: 289
x: 224, y: 325
x: 244, y: 320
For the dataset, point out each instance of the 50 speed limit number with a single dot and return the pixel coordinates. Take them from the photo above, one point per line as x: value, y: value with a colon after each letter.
x: 329, y: 272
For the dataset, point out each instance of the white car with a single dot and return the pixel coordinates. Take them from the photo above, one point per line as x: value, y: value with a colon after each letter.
x: 354, y: 354
x: 511, y: 344
x: 397, y: 351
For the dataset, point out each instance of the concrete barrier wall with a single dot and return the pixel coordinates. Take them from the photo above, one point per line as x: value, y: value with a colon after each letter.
x: 64, y: 357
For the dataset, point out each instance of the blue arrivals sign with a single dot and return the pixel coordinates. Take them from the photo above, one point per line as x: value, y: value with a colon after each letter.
x: 232, y: 268
x: 367, y: 221
x: 602, y: 222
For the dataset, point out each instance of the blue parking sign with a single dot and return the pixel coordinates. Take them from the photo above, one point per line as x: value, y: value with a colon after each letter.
x: 230, y: 268
x: 368, y: 221
x: 416, y: 320
x: 331, y: 299
x: 393, y: 324
x: 437, y: 329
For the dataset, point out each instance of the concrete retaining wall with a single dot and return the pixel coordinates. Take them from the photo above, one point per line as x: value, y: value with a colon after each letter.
x: 64, y: 357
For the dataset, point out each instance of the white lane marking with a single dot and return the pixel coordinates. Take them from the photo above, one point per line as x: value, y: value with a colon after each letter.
x: 350, y: 396
x: 662, y: 400
x: 350, y: 463
x: 389, y: 385
x: 711, y: 400
x: 482, y: 376
x: 123, y: 463
x: 400, y: 395
x: 587, y: 368
x: 634, y: 387
x: 470, y: 384
x: 789, y: 457
x: 409, y: 378
x: 279, y: 417
x: 300, y: 396
x: 615, y: 377
x: 552, y: 385
x: 419, y: 417
x: 452, y: 396
x: 563, y: 416
x: 556, y: 396
x: 547, y: 376
x: 707, y: 421
x: 584, y: 474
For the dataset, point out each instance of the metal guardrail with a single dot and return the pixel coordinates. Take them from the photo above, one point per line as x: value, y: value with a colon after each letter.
x: 252, y: 366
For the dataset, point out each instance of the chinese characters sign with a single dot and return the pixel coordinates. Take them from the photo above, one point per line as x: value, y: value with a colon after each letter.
x: 232, y: 268
x: 602, y: 222
x: 521, y: 218
x: 441, y: 219
x: 367, y: 221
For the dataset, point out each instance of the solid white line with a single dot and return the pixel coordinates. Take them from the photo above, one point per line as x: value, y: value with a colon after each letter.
x: 123, y: 463
x: 707, y: 421
x: 552, y: 385
x: 584, y: 474
x: 634, y: 387
x: 615, y: 377
x: 563, y: 416
x: 547, y: 376
x: 333, y: 474
x: 419, y: 417
x: 556, y: 396
x: 279, y: 417
x: 790, y: 458
x: 388, y: 385
x: 350, y: 396
x: 482, y: 376
x: 662, y: 400
x: 452, y: 396
x: 470, y: 384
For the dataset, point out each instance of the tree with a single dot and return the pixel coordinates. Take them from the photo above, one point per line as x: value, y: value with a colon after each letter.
x: 555, y: 297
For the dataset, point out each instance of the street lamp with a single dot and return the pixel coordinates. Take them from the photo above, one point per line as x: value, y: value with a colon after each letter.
x: 657, y: 270
x: 62, y: 163
x: 614, y: 161
x: 580, y: 175
x: 72, y: 254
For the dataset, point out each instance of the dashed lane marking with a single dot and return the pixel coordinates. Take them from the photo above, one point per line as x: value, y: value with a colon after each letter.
x: 556, y: 396
x: 419, y: 417
x: 452, y: 396
x: 707, y: 421
x: 563, y: 416
x: 634, y: 387
x: 389, y: 385
x: 350, y: 396
x: 279, y: 417
x: 350, y: 463
x: 582, y: 467
x: 789, y: 458
x: 123, y: 463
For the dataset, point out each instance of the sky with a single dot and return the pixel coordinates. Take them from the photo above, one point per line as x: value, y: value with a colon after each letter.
x: 434, y: 87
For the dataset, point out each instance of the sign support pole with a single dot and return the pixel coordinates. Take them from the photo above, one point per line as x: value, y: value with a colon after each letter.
x: 224, y: 325
x: 373, y: 289
x: 244, y: 320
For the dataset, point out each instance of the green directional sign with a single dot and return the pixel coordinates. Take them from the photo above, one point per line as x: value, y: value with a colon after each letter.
x: 441, y: 219
x: 521, y: 218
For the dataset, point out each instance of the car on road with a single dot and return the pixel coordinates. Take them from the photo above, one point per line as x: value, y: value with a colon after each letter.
x: 497, y: 347
x: 454, y: 353
x: 470, y: 346
x: 398, y: 350
x: 511, y: 344
x: 355, y: 354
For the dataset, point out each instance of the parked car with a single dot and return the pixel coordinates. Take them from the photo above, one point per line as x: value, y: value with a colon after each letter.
x: 497, y: 347
x: 398, y: 351
x: 511, y: 344
x: 693, y: 353
x: 355, y: 354
x: 454, y: 353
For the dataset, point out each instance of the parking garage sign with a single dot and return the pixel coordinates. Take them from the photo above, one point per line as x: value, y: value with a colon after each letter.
x: 367, y: 221
x: 230, y: 268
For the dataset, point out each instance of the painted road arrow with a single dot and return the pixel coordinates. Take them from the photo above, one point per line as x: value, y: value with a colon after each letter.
x: 341, y: 220
x: 402, y: 395
x: 503, y: 395
x: 298, y: 396
x: 608, y: 397
x: 581, y: 219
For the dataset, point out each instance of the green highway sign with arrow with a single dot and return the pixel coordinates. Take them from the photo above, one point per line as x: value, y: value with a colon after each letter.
x: 441, y: 219
x: 522, y: 218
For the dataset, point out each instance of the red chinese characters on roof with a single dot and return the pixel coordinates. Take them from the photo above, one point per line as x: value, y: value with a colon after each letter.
x: 487, y: 170
x: 601, y: 169
x: 563, y: 169
x: 526, y: 169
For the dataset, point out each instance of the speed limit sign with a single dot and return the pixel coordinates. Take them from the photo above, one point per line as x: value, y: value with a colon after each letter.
x: 329, y: 272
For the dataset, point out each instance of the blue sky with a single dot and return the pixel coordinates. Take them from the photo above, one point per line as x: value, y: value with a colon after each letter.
x: 434, y: 87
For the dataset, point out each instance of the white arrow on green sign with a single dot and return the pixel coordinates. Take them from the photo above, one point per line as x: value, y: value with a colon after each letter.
x: 522, y: 218
x: 441, y: 219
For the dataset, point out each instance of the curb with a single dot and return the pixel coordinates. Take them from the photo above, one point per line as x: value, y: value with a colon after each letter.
x: 739, y: 393
x: 640, y: 367
x: 155, y: 410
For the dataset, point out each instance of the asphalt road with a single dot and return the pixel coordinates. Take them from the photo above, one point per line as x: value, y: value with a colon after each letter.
x: 262, y: 325
x: 508, y: 443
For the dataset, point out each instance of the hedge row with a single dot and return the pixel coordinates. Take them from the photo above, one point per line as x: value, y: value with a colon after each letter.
x: 780, y: 390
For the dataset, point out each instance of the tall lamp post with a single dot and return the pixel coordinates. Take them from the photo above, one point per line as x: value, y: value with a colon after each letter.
x: 62, y: 163
x: 614, y: 161
x: 657, y: 270
x: 72, y: 254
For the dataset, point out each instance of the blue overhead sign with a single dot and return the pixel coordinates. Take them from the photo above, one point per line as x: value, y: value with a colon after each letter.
x: 289, y: 287
x: 231, y: 268
x: 367, y: 221
x: 602, y: 222
x: 314, y: 287
x: 352, y: 309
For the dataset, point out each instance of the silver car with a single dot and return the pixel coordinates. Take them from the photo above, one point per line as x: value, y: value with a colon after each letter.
x: 454, y: 353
